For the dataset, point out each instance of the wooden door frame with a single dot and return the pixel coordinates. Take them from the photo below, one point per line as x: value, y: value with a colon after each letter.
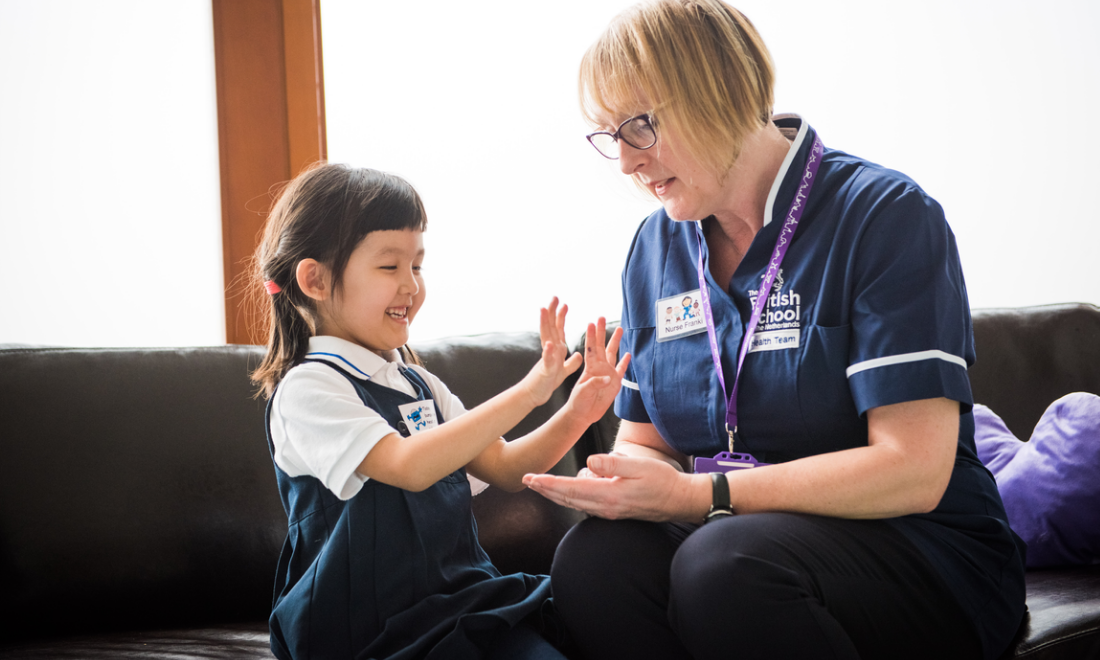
x: 271, y: 124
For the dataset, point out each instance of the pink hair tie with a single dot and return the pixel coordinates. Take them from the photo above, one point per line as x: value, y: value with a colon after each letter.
x: 272, y: 288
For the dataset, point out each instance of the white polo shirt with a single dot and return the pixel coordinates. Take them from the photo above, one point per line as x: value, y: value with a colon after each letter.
x: 321, y: 428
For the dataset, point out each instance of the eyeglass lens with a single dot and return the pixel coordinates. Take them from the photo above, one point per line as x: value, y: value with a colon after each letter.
x: 636, y: 132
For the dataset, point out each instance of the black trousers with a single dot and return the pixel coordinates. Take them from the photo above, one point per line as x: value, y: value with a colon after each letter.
x: 771, y: 585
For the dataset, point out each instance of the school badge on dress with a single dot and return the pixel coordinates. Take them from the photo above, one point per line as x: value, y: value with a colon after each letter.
x: 419, y: 416
x: 679, y: 316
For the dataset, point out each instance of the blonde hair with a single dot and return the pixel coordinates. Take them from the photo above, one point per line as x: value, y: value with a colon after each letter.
x: 699, y: 65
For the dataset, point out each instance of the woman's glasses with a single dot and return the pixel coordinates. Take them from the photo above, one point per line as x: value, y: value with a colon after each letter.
x: 637, y: 131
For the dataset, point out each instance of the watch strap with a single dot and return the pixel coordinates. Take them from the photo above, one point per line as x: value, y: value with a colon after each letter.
x: 720, y: 497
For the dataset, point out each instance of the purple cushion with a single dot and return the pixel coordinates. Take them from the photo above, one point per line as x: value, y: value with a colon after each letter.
x: 1051, y: 484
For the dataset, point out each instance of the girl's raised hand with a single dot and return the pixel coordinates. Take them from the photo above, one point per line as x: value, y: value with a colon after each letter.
x: 551, y: 370
x: 602, y: 377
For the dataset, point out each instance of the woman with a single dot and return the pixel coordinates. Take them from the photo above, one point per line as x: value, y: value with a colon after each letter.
x: 874, y: 531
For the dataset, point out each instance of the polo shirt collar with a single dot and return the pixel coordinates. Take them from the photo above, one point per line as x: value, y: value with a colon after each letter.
x: 351, y: 357
x: 796, y: 145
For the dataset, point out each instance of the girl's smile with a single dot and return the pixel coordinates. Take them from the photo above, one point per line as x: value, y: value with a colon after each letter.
x: 381, y: 291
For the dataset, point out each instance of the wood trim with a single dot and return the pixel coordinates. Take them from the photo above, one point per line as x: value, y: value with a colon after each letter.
x: 271, y: 123
x: 305, y: 82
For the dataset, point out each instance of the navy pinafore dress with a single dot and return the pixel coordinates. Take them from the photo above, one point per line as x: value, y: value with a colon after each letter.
x: 389, y: 573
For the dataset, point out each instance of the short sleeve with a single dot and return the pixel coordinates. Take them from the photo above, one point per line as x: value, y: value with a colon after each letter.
x: 320, y: 428
x: 628, y: 403
x: 911, y: 329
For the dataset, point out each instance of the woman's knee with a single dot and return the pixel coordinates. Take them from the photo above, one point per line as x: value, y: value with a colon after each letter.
x: 733, y: 563
x: 598, y: 555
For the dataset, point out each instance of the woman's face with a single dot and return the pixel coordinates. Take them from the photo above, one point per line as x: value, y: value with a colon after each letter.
x: 686, y: 189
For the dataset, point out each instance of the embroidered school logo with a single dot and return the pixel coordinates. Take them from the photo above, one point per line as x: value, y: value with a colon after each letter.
x: 418, y: 416
x: 780, y: 324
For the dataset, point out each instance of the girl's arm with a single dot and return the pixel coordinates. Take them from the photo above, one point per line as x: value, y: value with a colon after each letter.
x: 503, y: 464
x: 417, y: 462
x: 904, y: 469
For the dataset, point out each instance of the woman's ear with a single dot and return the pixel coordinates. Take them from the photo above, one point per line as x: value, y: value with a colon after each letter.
x: 313, y: 279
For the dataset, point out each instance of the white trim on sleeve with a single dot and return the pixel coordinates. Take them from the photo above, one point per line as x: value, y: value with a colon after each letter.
x: 902, y: 359
x: 632, y: 385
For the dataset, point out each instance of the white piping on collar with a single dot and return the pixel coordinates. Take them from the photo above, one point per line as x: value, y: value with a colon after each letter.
x: 803, y: 130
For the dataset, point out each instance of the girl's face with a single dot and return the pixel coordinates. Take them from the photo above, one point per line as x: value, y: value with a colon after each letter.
x: 381, y: 292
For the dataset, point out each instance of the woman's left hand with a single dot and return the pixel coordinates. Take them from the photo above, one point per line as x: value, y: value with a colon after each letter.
x: 621, y: 486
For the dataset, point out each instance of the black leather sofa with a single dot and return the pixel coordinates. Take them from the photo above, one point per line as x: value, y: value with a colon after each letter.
x: 139, y: 516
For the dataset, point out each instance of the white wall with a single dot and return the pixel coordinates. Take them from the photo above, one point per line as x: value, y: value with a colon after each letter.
x: 986, y: 104
x: 110, y: 216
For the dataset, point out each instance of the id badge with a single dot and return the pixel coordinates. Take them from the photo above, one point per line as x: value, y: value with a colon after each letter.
x: 680, y: 316
x: 726, y: 462
x: 418, y: 416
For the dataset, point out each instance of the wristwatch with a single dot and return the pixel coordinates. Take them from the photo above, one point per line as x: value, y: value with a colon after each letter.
x: 720, y: 497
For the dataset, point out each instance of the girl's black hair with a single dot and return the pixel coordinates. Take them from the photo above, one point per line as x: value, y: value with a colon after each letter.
x: 322, y: 214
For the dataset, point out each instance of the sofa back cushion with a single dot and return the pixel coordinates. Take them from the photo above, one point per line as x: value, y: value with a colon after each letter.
x: 1028, y: 357
x: 135, y: 489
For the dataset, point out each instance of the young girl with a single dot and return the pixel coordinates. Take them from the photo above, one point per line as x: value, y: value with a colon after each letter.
x: 381, y: 558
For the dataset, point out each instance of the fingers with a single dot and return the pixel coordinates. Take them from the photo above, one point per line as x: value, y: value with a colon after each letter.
x: 573, y: 363
x: 618, y: 465
x: 613, y: 345
x: 552, y: 321
x: 583, y: 494
x: 545, y: 326
x: 623, y: 364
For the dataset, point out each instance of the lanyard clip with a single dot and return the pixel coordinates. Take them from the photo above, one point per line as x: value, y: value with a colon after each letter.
x: 732, y: 434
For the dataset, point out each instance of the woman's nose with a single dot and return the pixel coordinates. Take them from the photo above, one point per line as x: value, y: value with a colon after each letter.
x: 630, y: 159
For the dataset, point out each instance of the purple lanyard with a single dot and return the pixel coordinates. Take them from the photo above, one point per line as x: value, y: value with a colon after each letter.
x: 794, y: 214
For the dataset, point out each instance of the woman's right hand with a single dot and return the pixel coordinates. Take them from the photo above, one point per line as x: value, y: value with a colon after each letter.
x: 552, y: 369
x: 639, y: 488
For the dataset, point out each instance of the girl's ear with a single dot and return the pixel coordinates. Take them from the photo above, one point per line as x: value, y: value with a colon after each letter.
x: 313, y: 279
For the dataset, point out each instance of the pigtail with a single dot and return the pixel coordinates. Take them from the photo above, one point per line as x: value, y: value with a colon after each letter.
x: 290, y: 318
x: 290, y: 325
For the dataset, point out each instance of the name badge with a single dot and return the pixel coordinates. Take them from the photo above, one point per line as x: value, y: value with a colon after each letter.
x: 418, y: 416
x: 680, y: 315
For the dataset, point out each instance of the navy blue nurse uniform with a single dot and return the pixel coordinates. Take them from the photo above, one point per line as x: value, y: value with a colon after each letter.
x: 390, y: 573
x: 869, y: 309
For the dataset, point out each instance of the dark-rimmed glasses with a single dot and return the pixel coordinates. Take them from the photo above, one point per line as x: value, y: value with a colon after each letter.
x: 637, y: 131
